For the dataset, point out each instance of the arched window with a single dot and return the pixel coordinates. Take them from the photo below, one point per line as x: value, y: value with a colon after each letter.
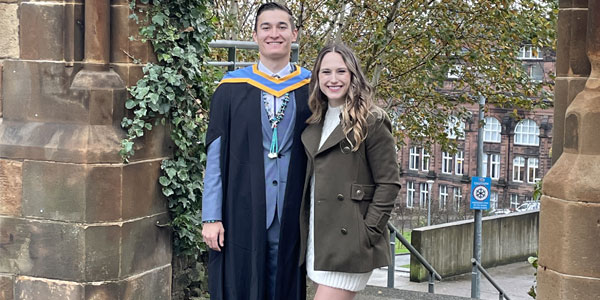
x: 491, y: 130
x: 527, y: 133
x: 455, y: 128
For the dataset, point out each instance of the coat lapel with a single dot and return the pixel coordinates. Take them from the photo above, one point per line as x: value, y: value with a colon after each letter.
x: 336, y: 136
x: 311, y: 138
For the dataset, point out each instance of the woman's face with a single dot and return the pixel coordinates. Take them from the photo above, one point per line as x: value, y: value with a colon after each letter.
x: 334, y: 78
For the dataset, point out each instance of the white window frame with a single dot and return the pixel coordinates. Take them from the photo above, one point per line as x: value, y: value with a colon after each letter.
x: 454, y: 128
x: 425, y: 159
x: 518, y: 169
x: 514, y: 201
x: 457, y: 196
x: 494, y: 200
x: 413, y: 159
x: 455, y: 71
x: 527, y: 133
x: 446, y: 163
x: 494, y: 166
x: 533, y: 167
x: 459, y: 163
x: 410, y: 194
x: 492, y: 131
x: 530, y: 69
x: 527, y: 52
x: 443, y: 192
x: 423, y: 194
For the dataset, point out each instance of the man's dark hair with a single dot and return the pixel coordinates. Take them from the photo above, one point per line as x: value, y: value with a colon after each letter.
x: 273, y: 6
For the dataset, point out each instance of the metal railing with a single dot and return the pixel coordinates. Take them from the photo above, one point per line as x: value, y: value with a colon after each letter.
x: 487, y: 275
x: 433, y: 274
x: 232, y: 46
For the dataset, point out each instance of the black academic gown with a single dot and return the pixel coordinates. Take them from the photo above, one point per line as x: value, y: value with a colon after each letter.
x: 239, y: 271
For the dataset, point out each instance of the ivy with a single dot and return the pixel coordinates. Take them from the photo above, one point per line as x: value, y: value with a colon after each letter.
x: 175, y: 92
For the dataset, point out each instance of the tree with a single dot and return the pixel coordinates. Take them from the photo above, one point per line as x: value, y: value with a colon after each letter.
x: 408, y: 48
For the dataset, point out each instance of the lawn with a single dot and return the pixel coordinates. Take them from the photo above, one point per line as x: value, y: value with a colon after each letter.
x: 399, y: 247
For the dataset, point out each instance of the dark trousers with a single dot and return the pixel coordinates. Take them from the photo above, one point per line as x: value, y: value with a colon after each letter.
x: 272, y: 249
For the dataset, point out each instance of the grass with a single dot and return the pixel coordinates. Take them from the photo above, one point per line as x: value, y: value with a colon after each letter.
x: 399, y: 247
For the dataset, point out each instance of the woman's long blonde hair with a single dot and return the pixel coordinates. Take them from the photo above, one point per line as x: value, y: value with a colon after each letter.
x: 359, y: 98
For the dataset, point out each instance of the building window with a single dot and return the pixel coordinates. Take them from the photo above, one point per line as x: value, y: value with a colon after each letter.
x: 495, y: 166
x: 492, y: 130
x: 518, y: 169
x: 446, y: 163
x: 530, y: 52
x: 535, y: 71
x: 455, y: 128
x: 527, y: 133
x: 443, y: 196
x: 410, y: 193
x: 514, y: 201
x: 532, y: 170
x: 457, y: 193
x: 413, y: 161
x: 494, y: 200
x: 425, y: 158
x: 455, y: 71
x: 424, y: 192
x: 459, y: 162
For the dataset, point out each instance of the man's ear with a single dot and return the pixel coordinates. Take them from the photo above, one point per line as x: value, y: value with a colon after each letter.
x: 254, y: 36
x: 294, y: 35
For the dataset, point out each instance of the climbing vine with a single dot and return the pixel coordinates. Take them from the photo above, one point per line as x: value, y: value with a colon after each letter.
x: 175, y: 93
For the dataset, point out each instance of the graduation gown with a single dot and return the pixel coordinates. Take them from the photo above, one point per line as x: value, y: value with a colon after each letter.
x: 239, y: 271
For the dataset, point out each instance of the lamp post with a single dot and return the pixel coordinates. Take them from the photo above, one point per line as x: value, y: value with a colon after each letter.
x: 429, y: 184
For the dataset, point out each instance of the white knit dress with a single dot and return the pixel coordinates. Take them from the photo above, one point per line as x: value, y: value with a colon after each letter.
x: 346, y: 281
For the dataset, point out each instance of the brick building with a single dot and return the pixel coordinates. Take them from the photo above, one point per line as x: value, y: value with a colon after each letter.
x: 517, y: 154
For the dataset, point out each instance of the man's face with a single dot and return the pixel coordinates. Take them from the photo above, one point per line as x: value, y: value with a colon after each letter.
x: 274, y: 35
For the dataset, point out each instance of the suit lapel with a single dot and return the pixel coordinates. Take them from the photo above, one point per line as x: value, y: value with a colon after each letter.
x: 311, y: 138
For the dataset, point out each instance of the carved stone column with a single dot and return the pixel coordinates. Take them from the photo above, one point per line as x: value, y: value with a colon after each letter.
x: 569, y: 254
x: 75, y: 222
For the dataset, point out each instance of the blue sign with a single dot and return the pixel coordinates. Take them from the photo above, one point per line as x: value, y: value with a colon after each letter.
x: 480, y: 192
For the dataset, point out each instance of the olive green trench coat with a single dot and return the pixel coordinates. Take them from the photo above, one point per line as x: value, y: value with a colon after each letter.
x: 354, y: 196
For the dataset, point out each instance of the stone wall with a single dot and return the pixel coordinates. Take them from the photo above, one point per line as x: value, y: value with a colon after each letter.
x: 75, y: 222
x: 449, y: 247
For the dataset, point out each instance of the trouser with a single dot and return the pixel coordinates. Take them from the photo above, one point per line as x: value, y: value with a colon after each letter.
x: 273, y: 248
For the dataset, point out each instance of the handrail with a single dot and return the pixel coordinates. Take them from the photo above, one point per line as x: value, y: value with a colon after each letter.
x: 232, y: 45
x: 487, y: 275
x: 433, y: 274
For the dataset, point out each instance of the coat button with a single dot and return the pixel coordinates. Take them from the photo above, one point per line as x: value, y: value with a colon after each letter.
x: 275, y: 182
x: 340, y: 197
x: 344, y: 231
x: 346, y: 149
x: 358, y: 192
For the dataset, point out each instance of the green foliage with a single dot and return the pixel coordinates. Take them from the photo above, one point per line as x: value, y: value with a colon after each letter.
x: 399, y: 246
x: 407, y: 48
x: 175, y: 93
x: 533, y: 261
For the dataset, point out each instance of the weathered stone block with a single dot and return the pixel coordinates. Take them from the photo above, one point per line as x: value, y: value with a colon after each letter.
x: 31, y: 288
x: 563, y: 33
x: 119, y: 43
x: 103, y: 193
x: 142, y: 194
x: 554, y: 285
x: 104, y: 291
x: 572, y: 3
x: 155, y: 285
x: 6, y: 287
x: 569, y: 238
x: 41, y: 248
x: 579, y: 63
x: 574, y: 177
x: 10, y: 187
x: 39, y: 92
x: 54, y: 191
x: 9, y: 30
x: 145, y: 246
x: 102, y: 252
x: 42, y: 31
x: 101, y: 107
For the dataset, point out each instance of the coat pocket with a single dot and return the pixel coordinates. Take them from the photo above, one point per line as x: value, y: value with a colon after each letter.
x: 362, y: 191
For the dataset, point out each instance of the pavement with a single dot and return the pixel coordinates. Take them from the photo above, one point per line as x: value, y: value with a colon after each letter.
x: 516, y: 279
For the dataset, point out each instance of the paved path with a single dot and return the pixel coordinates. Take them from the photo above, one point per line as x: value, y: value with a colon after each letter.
x: 515, y: 279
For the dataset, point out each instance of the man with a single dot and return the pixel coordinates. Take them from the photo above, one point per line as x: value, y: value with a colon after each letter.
x: 255, y: 170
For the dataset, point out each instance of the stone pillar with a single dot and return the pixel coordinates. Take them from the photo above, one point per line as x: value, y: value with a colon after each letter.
x: 75, y: 222
x: 569, y: 256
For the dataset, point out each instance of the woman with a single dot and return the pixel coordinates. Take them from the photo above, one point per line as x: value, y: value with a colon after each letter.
x: 352, y: 178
